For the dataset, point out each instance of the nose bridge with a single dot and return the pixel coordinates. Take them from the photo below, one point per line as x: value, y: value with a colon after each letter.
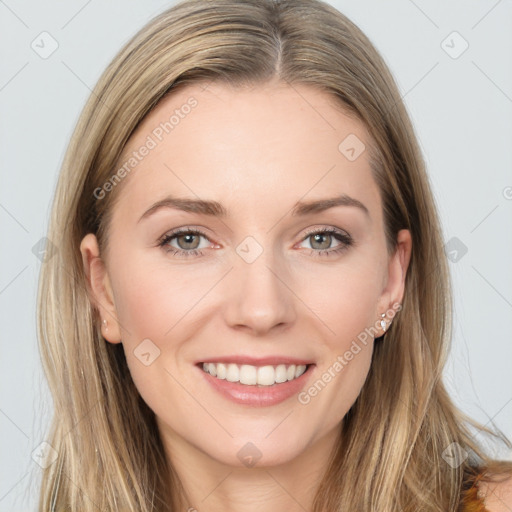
x: 260, y: 299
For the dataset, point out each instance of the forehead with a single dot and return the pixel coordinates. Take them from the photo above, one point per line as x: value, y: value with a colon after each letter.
x: 250, y: 147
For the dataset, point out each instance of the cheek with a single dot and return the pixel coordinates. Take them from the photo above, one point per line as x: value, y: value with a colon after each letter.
x: 350, y: 372
x: 345, y: 300
x: 142, y: 308
x: 154, y: 306
x: 347, y: 309
x: 151, y: 299
x: 339, y: 378
x: 147, y: 309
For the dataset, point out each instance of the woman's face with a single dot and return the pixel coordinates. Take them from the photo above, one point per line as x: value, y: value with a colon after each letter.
x: 262, y: 276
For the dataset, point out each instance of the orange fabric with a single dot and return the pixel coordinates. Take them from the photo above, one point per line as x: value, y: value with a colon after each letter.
x: 470, y: 501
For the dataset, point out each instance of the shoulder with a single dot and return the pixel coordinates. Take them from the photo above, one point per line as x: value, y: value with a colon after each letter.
x: 497, y: 494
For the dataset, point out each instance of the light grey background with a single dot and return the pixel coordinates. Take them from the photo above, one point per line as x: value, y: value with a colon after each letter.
x: 461, y: 108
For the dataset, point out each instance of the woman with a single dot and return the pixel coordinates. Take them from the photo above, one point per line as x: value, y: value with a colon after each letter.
x: 250, y: 307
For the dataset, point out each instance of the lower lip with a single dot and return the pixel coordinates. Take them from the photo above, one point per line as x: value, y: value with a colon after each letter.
x: 258, y: 396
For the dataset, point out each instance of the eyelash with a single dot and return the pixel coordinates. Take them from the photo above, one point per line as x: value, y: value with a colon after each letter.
x: 346, y: 240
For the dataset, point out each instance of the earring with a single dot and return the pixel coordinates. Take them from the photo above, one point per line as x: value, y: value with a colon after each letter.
x: 105, y: 324
x: 383, y: 322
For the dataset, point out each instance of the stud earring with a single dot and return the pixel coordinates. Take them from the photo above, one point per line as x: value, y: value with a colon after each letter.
x: 383, y: 322
x: 105, y: 324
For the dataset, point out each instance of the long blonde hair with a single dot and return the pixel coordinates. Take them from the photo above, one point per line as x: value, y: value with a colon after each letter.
x: 110, y: 455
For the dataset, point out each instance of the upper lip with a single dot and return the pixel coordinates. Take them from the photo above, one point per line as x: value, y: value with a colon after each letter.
x: 256, y: 361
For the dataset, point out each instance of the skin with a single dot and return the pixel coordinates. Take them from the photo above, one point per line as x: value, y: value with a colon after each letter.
x: 497, y: 496
x: 257, y: 151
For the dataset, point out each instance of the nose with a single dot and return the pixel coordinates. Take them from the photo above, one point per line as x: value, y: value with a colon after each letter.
x: 258, y: 296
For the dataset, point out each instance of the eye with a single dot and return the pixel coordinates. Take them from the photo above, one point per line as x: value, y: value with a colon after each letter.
x: 188, y: 242
x: 187, y: 239
x: 321, y: 240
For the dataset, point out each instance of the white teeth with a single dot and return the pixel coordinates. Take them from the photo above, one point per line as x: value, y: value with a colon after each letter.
x: 233, y: 373
x: 281, y: 373
x: 221, y: 371
x: 212, y: 369
x: 254, y: 375
x: 248, y: 374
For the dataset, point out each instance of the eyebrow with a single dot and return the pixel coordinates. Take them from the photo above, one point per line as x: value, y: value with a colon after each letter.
x: 215, y: 209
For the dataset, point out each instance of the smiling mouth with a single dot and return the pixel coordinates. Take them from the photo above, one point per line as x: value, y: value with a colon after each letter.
x: 250, y: 375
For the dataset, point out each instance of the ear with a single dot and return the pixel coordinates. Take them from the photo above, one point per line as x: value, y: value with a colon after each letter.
x: 99, y: 288
x: 397, y: 270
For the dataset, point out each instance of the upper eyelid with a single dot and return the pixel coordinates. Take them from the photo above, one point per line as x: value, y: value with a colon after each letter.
x: 186, y: 230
